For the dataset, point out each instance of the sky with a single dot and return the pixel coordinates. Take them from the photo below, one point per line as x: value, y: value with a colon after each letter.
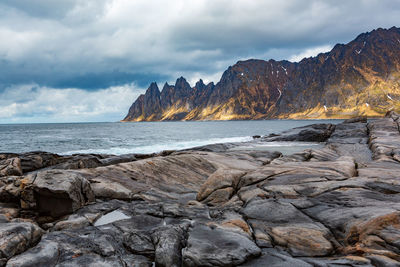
x: 88, y: 60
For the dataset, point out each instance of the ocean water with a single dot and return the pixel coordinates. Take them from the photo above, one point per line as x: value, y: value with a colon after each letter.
x: 136, y: 137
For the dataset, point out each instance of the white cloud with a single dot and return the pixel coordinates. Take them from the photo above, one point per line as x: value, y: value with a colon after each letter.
x: 73, y: 43
x: 166, y: 37
x: 195, y: 77
x: 30, y: 103
x: 310, y: 52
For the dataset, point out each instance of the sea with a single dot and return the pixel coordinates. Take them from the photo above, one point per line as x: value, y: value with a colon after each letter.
x: 139, y: 137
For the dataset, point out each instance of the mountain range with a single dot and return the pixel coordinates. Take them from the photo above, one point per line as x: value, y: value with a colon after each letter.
x: 361, y: 77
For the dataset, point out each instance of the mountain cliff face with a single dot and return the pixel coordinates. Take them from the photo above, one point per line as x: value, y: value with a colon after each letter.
x: 358, y: 78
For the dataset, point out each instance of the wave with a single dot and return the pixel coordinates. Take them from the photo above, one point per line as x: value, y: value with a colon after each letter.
x: 158, y: 147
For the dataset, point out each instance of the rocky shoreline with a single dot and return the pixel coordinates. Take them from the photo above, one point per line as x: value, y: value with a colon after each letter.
x: 216, y: 205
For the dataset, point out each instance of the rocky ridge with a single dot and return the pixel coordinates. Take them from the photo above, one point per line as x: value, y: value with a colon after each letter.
x: 216, y: 205
x: 361, y: 77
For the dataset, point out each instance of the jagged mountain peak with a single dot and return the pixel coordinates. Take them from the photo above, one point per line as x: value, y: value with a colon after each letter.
x: 361, y: 77
x: 181, y: 83
x: 200, y: 85
x: 153, y: 89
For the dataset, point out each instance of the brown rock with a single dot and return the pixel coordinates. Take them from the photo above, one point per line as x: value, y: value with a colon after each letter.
x: 10, y: 166
x: 302, y: 241
x: 220, y: 179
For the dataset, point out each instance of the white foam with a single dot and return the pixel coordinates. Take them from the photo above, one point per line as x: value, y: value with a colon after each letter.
x: 161, y: 146
x: 111, y: 217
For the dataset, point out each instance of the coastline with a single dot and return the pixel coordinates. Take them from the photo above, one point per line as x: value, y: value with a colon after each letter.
x: 296, y: 116
x: 198, y: 206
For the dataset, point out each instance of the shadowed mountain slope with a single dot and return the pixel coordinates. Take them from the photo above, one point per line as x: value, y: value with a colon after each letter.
x: 358, y: 78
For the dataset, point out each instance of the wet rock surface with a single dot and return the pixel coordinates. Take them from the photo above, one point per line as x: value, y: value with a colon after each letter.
x: 216, y: 205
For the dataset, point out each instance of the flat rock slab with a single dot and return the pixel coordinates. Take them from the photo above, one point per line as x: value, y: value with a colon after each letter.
x: 217, y: 247
x: 85, y: 247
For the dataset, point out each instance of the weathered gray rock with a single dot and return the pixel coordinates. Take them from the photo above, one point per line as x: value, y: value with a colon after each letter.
x: 19, y: 164
x: 217, y: 247
x: 288, y: 227
x: 168, y: 242
x: 276, y: 258
x: 57, y: 192
x: 383, y: 261
x: 310, y: 133
x: 17, y: 237
x: 384, y: 138
x: 297, y: 172
x: 8, y: 211
x: 84, y: 247
x: 220, y: 179
x: 10, y: 190
x: 45, y: 253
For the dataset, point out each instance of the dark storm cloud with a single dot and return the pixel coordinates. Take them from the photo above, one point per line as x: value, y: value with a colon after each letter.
x: 101, y: 43
x: 95, y: 44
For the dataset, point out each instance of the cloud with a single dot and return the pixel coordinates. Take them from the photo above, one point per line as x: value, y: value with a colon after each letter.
x: 97, y: 44
x: 31, y: 103
x: 310, y: 52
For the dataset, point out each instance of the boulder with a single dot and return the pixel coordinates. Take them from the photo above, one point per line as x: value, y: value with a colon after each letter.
x: 16, y: 237
x: 57, y: 192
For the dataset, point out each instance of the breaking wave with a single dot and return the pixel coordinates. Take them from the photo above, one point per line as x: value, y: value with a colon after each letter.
x: 158, y: 147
